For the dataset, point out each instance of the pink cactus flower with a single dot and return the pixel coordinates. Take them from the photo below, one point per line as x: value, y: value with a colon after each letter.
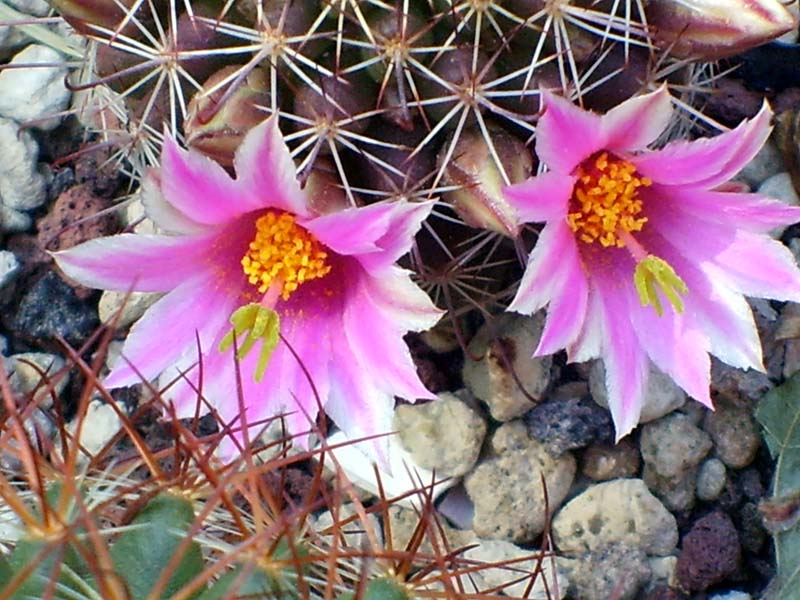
x: 643, y: 255
x: 259, y: 241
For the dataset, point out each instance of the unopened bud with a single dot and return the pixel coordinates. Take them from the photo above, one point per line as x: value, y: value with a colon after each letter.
x: 219, y: 117
x: 91, y: 17
x: 478, y: 199
x: 714, y: 29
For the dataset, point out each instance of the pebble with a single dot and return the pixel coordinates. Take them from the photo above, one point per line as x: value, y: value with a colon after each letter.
x: 603, y: 462
x: 732, y: 595
x: 661, y: 397
x: 26, y: 371
x: 444, y: 436
x: 14, y: 221
x: 9, y: 267
x: 123, y: 308
x: 735, y: 434
x: 37, y: 8
x: 35, y: 93
x: 663, y: 592
x: 711, y: 479
x: 568, y: 420
x: 546, y: 581
x: 354, y: 534
x: 506, y: 345
x: 735, y: 383
x: 673, y: 445
x: 404, y: 524
x: 710, y: 552
x: 506, y: 487
x: 100, y: 425
x: 780, y: 187
x: 677, y: 493
x: 50, y: 308
x: 768, y: 162
x: 662, y: 569
x: 611, y: 571
x: 622, y: 511
x: 39, y: 427
x: 76, y: 216
x: 22, y: 187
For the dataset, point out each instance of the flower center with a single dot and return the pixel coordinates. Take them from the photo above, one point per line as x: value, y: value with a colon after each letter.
x: 606, y: 201
x: 283, y: 254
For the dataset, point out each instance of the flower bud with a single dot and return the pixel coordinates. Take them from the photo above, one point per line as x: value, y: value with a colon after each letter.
x: 219, y: 118
x: 479, y: 198
x: 86, y: 16
x: 714, y: 29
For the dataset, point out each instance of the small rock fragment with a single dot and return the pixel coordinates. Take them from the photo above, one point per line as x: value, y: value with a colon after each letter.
x: 75, y: 218
x: 22, y: 187
x: 710, y: 552
x: 506, y: 345
x: 603, y: 462
x: 611, y: 571
x: 766, y: 163
x: 661, y: 397
x: 711, y: 479
x: 122, y: 308
x: 673, y: 445
x: 35, y: 93
x: 622, y: 510
x: 9, y: 267
x: 100, y: 425
x: 444, y: 436
x: 735, y: 434
x: 35, y: 371
x: 506, y: 488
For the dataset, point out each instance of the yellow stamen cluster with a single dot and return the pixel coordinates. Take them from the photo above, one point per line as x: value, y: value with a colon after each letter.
x: 283, y: 252
x: 607, y: 199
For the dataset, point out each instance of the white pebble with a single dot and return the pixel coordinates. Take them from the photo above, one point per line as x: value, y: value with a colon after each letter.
x: 22, y: 187
x: 33, y: 93
x: 9, y: 267
x: 780, y: 187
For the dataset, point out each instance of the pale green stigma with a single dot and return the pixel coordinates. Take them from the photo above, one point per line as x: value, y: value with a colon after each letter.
x: 260, y: 323
x: 653, y: 274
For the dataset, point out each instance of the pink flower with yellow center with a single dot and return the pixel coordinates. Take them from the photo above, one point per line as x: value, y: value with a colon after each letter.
x: 644, y: 255
x: 245, y: 250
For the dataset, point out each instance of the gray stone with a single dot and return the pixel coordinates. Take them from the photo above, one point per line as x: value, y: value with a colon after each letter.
x: 123, y: 306
x: 35, y: 93
x: 37, y: 8
x: 711, y: 479
x: 735, y: 434
x: 732, y: 595
x: 661, y: 397
x: 444, y: 436
x: 353, y: 532
x: 780, y: 187
x: 36, y: 372
x: 9, y: 267
x: 39, y: 428
x: 22, y: 187
x: 673, y: 445
x: 506, y: 486
x: 677, y: 492
x: 735, y: 383
x: 506, y: 345
x: 540, y: 569
x: 662, y: 569
x: 623, y: 511
x: 768, y: 162
x: 603, y: 462
x: 611, y: 571
x: 12, y: 220
x: 404, y: 523
x: 100, y: 425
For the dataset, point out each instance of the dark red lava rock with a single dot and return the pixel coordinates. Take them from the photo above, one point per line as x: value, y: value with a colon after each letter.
x: 663, y: 592
x: 75, y: 217
x: 710, y: 552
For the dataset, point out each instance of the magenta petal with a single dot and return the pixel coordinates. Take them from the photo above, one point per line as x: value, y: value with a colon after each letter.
x: 170, y: 328
x: 403, y: 303
x: 707, y: 162
x: 677, y: 346
x: 144, y: 263
x: 405, y: 222
x: 751, y: 212
x: 377, y: 343
x: 638, y: 121
x: 625, y: 361
x: 165, y: 216
x: 544, y: 274
x: 266, y: 172
x: 541, y: 198
x: 588, y: 342
x: 199, y: 187
x: 567, y: 134
x: 353, y: 230
x: 567, y: 310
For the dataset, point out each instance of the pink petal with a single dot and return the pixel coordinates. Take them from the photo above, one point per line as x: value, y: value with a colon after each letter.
x: 752, y: 264
x: 738, y: 210
x: 676, y: 345
x: 145, y: 263
x: 707, y: 162
x: 566, y: 135
x: 377, y: 343
x: 544, y: 275
x: 406, y: 221
x: 567, y: 308
x: 541, y: 198
x: 588, y: 343
x: 266, y: 172
x: 354, y: 230
x: 169, y: 329
x: 638, y: 121
x: 165, y: 216
x: 199, y: 187
x: 722, y: 314
x: 625, y: 361
x: 405, y: 305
